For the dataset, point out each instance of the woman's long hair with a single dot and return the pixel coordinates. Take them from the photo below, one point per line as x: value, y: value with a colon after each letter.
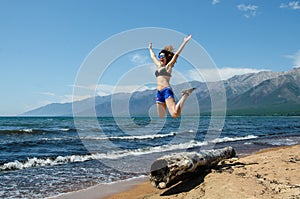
x: 169, y: 52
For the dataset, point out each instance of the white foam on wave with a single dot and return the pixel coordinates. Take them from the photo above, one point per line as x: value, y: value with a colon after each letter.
x: 37, y: 162
x: 135, y: 137
x: 26, y: 130
x: 232, y: 139
x: 55, y: 139
x: 285, y: 142
x: 64, y: 129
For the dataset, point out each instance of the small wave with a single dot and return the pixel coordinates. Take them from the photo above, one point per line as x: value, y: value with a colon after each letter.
x: 26, y: 130
x: 57, y: 139
x: 36, y: 131
x: 136, y: 137
x: 232, y: 139
x: 142, y: 137
x: 19, y: 131
x: 65, y: 129
x: 60, y: 129
x: 37, y: 162
x: 282, y: 142
x: 187, y: 131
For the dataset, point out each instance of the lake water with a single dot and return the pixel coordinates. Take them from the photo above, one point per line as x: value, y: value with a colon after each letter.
x: 47, y: 156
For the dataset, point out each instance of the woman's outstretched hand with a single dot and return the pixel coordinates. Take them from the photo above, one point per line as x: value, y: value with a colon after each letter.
x: 150, y: 46
x: 187, y: 38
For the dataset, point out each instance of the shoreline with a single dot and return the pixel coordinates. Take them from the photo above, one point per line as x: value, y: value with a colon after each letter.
x: 103, y: 190
x: 239, y: 172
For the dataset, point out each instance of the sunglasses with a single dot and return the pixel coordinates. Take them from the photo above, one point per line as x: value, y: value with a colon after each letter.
x: 161, y: 55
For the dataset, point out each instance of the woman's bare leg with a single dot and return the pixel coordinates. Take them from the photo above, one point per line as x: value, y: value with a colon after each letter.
x: 161, y: 109
x: 175, y: 109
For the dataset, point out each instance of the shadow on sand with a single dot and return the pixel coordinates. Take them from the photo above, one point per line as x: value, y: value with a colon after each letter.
x: 192, y: 180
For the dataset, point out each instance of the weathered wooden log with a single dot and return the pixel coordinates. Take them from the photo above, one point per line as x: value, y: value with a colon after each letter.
x: 170, y: 168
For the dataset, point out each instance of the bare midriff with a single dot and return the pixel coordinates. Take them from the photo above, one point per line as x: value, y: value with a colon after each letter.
x: 162, y: 82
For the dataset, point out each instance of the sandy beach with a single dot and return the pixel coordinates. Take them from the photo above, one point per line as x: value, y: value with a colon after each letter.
x: 271, y: 173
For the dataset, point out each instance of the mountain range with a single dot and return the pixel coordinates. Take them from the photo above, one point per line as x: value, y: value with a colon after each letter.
x: 263, y: 93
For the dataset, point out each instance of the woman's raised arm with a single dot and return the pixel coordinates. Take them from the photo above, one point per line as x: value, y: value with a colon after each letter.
x: 152, y: 55
x: 185, y: 41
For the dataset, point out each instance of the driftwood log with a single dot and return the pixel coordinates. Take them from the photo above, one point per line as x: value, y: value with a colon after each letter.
x: 167, y: 169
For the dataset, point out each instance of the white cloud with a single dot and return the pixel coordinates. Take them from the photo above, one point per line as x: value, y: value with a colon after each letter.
x: 249, y: 10
x: 139, y: 59
x: 104, y: 89
x: 46, y: 93
x: 85, y: 87
x: 294, y: 5
x: 211, y: 75
x: 295, y: 57
x: 214, y: 2
x: 138, y: 78
x: 54, y: 98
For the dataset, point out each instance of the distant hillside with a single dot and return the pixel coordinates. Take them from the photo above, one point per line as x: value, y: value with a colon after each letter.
x: 263, y: 93
x: 279, y: 95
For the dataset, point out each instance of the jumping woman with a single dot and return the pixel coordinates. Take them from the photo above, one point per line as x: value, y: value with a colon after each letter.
x: 164, y: 95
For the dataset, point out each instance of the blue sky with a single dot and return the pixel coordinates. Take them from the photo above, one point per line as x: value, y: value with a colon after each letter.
x: 44, y: 43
